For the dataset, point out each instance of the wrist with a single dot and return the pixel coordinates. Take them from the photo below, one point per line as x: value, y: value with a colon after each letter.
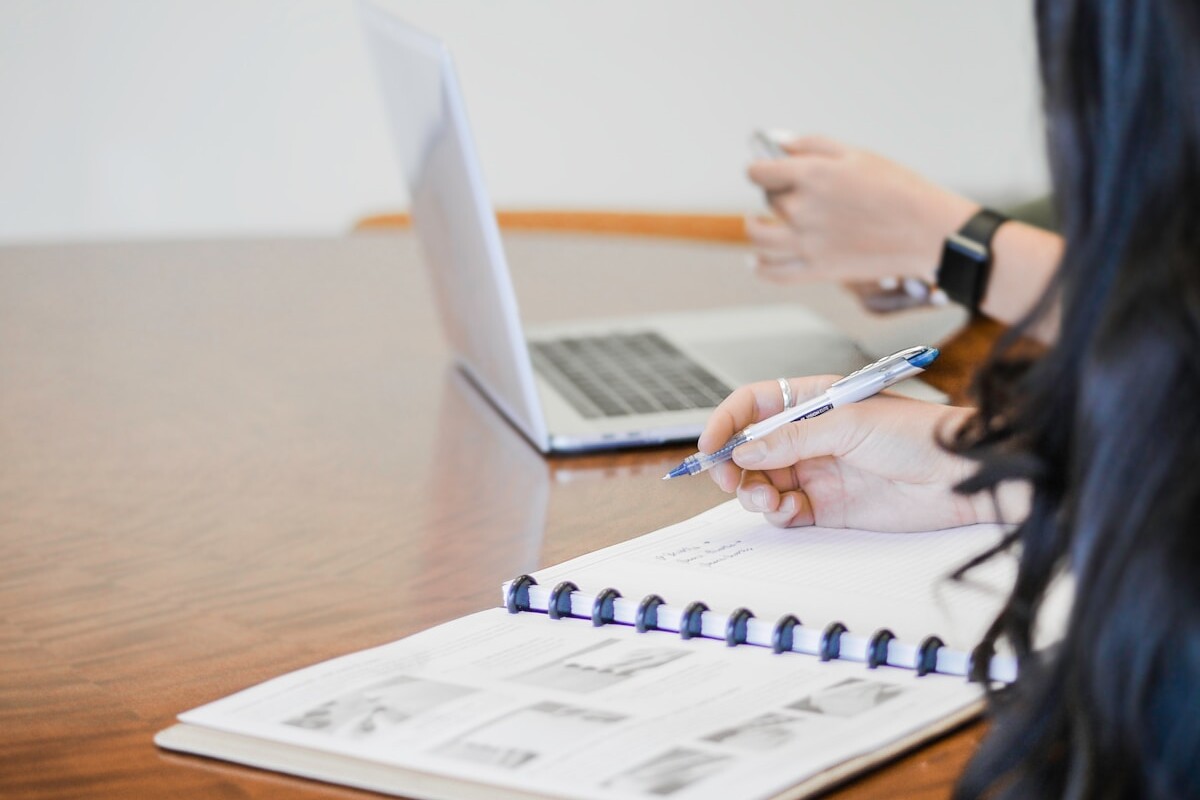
x: 1024, y: 259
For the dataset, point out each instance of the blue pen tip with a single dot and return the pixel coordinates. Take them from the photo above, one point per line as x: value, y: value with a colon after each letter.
x: 678, y: 472
x: 924, y: 358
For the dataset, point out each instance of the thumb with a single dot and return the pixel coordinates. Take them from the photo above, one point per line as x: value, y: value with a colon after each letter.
x: 831, y: 434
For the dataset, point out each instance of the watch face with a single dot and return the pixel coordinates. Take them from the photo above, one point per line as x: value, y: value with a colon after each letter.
x: 967, y: 259
x: 963, y: 271
x: 967, y: 247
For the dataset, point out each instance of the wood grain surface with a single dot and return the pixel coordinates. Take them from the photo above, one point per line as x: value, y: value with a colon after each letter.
x: 221, y: 461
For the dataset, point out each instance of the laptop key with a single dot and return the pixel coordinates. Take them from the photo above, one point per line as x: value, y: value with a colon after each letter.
x: 625, y: 373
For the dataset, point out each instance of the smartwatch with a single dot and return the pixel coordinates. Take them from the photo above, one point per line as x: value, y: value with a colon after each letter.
x: 967, y: 259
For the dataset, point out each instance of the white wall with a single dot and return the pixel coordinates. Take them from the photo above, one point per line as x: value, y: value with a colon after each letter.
x: 132, y: 118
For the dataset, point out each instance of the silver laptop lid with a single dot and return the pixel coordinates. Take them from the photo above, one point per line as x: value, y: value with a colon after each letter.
x: 453, y: 217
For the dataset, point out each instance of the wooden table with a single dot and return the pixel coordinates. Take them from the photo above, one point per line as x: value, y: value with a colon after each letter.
x: 221, y: 461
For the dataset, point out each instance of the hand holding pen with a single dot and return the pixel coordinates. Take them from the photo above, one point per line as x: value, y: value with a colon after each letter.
x: 875, y: 465
x: 869, y: 380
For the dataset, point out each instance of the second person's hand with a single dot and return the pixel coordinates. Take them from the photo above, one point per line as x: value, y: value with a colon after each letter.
x: 848, y: 214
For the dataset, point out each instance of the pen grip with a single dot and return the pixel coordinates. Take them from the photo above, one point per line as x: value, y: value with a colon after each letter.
x: 819, y: 404
x: 726, y: 452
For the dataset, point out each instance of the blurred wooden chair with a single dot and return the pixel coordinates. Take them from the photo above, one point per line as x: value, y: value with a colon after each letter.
x: 703, y: 227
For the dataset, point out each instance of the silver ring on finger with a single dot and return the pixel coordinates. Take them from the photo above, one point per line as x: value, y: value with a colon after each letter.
x: 785, y: 387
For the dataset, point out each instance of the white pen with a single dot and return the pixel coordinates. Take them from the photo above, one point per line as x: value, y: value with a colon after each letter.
x: 856, y: 386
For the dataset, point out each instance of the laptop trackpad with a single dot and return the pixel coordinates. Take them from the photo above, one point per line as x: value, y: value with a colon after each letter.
x: 755, y: 359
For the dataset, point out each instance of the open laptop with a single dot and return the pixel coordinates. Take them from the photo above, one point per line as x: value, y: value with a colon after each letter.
x: 562, y: 388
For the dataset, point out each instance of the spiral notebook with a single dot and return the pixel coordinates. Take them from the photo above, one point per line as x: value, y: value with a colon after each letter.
x: 715, y: 658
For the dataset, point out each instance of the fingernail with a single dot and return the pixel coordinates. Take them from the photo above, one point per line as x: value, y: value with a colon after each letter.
x: 788, y: 506
x: 751, y: 453
x: 761, y: 497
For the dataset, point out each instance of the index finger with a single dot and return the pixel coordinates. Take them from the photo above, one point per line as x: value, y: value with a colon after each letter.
x: 754, y: 402
x: 772, y: 176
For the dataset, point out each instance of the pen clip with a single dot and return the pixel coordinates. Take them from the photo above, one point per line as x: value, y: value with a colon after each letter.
x: 872, y: 367
x: 882, y: 364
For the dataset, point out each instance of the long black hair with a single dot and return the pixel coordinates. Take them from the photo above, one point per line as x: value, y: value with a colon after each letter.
x: 1106, y: 425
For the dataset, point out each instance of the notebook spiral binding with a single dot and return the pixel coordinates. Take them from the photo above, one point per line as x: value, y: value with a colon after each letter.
x: 927, y: 655
x: 735, y: 628
x: 560, y: 599
x: 646, y: 618
x: 602, y: 609
x: 783, y: 633
x: 693, y: 620
x: 831, y: 641
x: 978, y: 662
x: 877, y: 650
x: 517, y: 597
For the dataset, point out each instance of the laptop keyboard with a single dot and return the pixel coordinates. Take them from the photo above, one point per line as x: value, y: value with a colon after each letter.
x: 622, y: 374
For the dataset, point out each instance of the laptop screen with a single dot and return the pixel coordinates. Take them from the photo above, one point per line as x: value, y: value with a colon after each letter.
x: 453, y: 217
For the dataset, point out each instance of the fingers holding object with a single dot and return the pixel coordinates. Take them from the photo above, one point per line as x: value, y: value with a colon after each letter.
x: 726, y: 476
x: 778, y: 496
x: 756, y: 492
x: 826, y: 435
x: 795, y: 510
x: 773, y: 242
x: 744, y: 405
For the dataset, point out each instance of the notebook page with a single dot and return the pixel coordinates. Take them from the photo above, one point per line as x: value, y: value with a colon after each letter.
x: 729, y: 558
x: 562, y: 709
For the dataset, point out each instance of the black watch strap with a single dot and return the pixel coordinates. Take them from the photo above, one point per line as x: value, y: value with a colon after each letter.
x: 967, y: 259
